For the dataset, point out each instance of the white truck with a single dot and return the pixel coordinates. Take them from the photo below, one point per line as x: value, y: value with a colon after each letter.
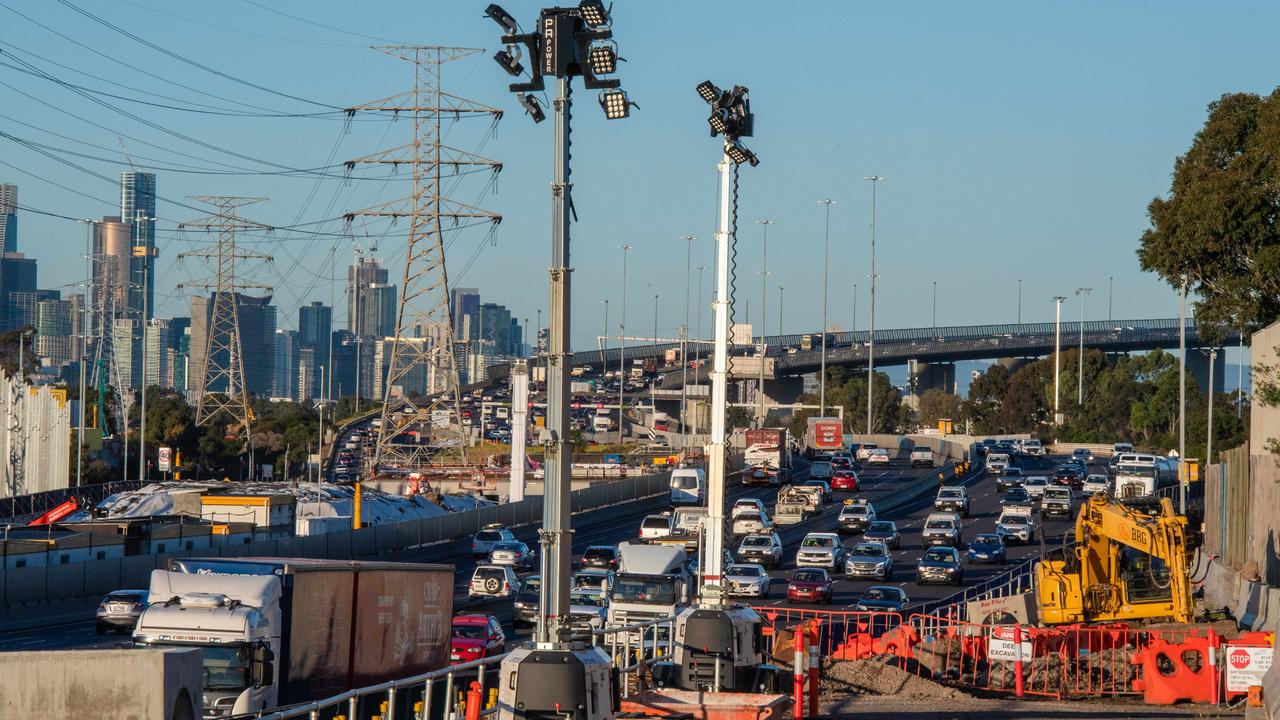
x: 1017, y: 523
x: 653, y: 581
x: 922, y: 455
x: 266, y: 627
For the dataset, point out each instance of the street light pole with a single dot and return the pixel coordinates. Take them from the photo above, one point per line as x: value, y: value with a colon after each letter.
x: 1057, y: 357
x: 684, y: 331
x: 697, y: 368
x: 764, y: 287
x: 622, y: 345
x: 826, y: 248
x: 1019, y: 301
x: 1182, y: 399
x: 780, y: 331
x: 871, y: 338
x: 935, y: 305
x: 1081, y: 292
x: 1111, y: 288
x: 1213, y: 355
x: 604, y: 340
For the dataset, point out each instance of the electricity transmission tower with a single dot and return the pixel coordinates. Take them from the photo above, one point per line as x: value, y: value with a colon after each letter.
x: 222, y: 361
x: 423, y: 345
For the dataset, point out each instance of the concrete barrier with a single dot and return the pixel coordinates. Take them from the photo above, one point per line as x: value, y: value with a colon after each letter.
x: 159, y: 684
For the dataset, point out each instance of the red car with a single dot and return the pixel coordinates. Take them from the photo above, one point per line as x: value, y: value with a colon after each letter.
x: 810, y: 585
x: 476, y: 636
x: 846, y: 480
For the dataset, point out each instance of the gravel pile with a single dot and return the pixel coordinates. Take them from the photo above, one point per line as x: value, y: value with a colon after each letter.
x: 844, y: 678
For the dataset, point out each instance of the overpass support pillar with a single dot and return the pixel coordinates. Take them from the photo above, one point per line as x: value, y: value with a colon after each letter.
x: 783, y: 390
x: 1198, y: 368
x: 932, y: 376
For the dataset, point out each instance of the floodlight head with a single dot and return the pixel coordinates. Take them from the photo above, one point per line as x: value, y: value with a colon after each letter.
x: 615, y: 104
x: 603, y: 60
x: 509, y: 61
x: 708, y: 91
x: 503, y: 18
x: 738, y: 153
x: 531, y: 106
x: 593, y: 13
x: 719, y: 122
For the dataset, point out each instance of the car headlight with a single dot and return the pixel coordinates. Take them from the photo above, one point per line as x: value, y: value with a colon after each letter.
x: 880, y: 565
x: 921, y: 568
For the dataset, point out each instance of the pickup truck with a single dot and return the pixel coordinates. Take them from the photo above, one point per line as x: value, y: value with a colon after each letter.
x: 792, y: 507
x: 942, y: 528
x: 1056, y: 501
x: 922, y: 456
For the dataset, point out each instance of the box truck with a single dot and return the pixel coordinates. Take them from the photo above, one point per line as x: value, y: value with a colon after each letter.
x: 278, y: 631
x: 824, y: 434
x: 767, y: 457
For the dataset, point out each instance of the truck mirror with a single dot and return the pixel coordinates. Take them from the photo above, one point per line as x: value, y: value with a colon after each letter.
x: 263, y: 665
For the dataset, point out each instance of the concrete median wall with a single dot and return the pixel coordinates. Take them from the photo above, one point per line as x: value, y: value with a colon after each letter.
x: 25, y: 586
x: 154, y: 684
x: 951, y: 447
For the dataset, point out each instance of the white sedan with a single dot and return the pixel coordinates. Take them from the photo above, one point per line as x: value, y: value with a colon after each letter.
x: 748, y: 523
x: 746, y: 580
x: 878, y: 456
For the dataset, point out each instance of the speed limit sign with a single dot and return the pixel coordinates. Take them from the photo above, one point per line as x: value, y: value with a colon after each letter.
x: 165, y: 463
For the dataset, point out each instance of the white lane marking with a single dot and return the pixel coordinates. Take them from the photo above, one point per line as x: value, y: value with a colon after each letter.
x: 32, y: 642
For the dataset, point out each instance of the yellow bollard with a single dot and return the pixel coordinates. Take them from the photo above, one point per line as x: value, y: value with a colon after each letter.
x: 418, y: 710
x: 493, y: 698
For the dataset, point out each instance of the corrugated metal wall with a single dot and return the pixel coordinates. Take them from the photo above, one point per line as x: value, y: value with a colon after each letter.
x: 35, y: 437
x: 1242, y: 495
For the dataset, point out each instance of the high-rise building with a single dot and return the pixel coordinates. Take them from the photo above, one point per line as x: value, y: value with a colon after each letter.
x: 157, y: 369
x: 257, y: 331
x: 8, y: 218
x: 315, y: 322
x: 78, y: 320
x: 464, y: 302
x: 112, y: 273
x: 138, y: 210
x: 21, y: 310
x: 54, y: 340
x: 125, y: 369
x: 379, y: 311
x: 308, y: 374
x: 360, y: 277
x: 17, y: 275
x: 285, y: 382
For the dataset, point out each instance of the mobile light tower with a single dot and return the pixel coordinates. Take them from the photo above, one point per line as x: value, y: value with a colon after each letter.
x: 716, y: 643
x: 553, y: 677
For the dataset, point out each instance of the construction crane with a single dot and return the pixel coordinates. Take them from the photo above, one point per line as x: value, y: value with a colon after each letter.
x: 1127, y: 565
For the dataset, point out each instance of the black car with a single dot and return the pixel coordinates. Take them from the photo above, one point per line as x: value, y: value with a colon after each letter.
x: 119, y: 611
x: 882, y: 598
x: 885, y: 531
x: 600, y: 556
x: 940, y: 565
x: 1016, y: 495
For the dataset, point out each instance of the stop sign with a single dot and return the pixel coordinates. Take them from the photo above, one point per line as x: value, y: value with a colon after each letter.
x: 1239, y: 659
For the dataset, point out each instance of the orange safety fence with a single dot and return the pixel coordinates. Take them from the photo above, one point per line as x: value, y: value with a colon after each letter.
x: 842, y: 634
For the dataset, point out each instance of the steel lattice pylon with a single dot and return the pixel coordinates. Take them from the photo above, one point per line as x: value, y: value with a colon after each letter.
x: 424, y: 335
x: 223, y: 358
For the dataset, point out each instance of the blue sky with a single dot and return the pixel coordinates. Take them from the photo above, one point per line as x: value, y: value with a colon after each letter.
x: 1020, y: 140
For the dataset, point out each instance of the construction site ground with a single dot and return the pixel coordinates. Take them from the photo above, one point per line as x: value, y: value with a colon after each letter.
x: 866, y: 689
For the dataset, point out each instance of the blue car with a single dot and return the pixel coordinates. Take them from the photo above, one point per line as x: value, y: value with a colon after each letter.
x: 986, y: 548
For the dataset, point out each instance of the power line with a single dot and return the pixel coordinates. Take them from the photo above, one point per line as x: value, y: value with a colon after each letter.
x: 228, y: 28
x: 321, y: 25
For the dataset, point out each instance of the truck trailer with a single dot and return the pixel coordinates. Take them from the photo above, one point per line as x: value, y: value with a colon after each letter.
x: 279, y: 631
x: 823, y: 434
x: 768, y: 458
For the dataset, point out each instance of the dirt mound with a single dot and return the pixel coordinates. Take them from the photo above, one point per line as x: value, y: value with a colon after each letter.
x: 872, y: 677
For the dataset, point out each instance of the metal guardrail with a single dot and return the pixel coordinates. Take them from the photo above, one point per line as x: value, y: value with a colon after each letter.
x: 1014, y: 581
x: 39, y: 503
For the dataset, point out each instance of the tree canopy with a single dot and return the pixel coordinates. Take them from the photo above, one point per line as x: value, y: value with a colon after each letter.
x: 1220, y: 224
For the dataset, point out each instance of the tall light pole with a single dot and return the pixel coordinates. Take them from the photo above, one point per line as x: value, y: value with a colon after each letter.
x: 1019, y: 301
x: 935, y: 305
x: 1111, y: 289
x: 1213, y: 355
x: 826, y: 251
x: 1182, y: 399
x: 604, y: 340
x: 1057, y: 356
x: 871, y: 338
x: 697, y: 368
x: 1081, y: 293
x: 1239, y: 376
x: 780, y: 331
x: 561, y: 47
x: 854, y: 326
x: 684, y: 331
x: 764, y: 288
x: 622, y: 345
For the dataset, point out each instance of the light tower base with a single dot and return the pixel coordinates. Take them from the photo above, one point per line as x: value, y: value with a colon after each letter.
x: 574, y: 682
x: 718, y: 649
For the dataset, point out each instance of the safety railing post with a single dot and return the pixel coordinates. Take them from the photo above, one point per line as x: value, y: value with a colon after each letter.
x: 449, y: 703
x: 426, y: 698
x: 1017, y: 661
x: 798, y: 671
x: 390, y: 714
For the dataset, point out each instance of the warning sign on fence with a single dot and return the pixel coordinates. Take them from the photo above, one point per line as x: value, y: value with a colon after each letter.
x: 1245, y: 666
x: 1001, y: 645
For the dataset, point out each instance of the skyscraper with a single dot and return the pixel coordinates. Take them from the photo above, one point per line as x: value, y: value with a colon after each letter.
x: 112, y: 272
x: 315, y: 322
x: 379, y: 311
x: 17, y: 275
x: 285, y: 382
x: 54, y: 341
x: 156, y: 371
x: 138, y: 209
x: 464, y: 302
x: 257, y: 340
x: 360, y: 276
x: 8, y: 218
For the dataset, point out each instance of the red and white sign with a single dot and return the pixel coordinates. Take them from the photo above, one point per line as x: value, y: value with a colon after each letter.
x: 164, y: 457
x: 1246, y: 666
x: 1001, y: 645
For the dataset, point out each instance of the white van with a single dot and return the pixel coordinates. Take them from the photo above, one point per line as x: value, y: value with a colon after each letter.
x: 688, y: 486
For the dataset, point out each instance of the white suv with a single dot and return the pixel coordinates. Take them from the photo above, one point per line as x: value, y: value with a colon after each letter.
x: 493, y: 581
x: 482, y: 542
x: 821, y: 550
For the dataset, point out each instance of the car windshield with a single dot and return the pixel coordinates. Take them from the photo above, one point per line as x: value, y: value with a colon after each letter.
x: 938, y: 555
x: 749, y: 517
x: 808, y: 576
x: 509, y: 546
x: 746, y: 570
x: 657, y: 591
x: 589, y: 580
x: 225, y: 668
x: 821, y: 466
x: 756, y: 541
x: 869, y: 550
x: 126, y: 597
x: 657, y: 522
x: 819, y: 542
x: 880, y: 593
x: 881, y: 527
x: 1014, y: 520
x: 684, y: 483
x: 593, y: 599
x: 987, y: 540
x: 938, y: 525
x: 949, y: 494
x: 469, y: 632
x: 486, y: 573
x: 598, y: 553
x: 858, y: 511
x: 488, y: 536
x: 1036, y: 481
x: 1016, y: 494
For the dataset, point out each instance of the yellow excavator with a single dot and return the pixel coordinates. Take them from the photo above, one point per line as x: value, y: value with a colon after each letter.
x: 1127, y: 564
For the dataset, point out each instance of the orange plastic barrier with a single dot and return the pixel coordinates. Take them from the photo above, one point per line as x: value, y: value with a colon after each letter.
x: 1176, y: 672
